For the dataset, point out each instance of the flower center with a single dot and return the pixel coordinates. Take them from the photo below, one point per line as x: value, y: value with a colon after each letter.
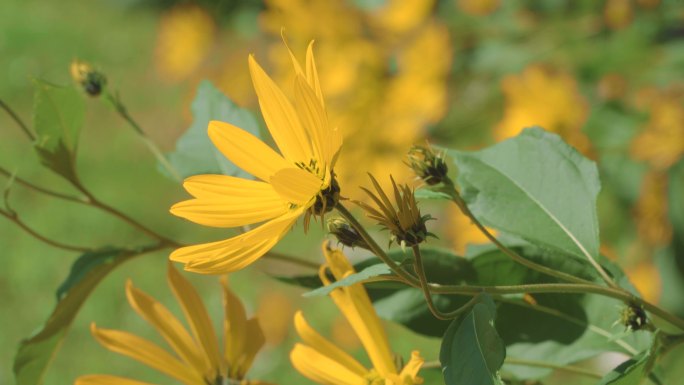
x: 327, y: 199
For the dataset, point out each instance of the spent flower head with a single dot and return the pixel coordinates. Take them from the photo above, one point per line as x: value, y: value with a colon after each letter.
x: 405, y: 223
x: 428, y: 165
x: 346, y: 234
x: 92, y: 81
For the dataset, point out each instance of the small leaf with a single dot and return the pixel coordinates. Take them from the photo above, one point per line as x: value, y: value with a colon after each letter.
x: 630, y: 372
x: 36, y: 352
x: 537, y: 187
x: 369, y: 272
x: 57, y: 118
x: 195, y: 153
x: 472, y: 352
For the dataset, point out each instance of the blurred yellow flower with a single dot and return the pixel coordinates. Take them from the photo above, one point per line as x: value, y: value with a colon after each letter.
x: 300, y: 181
x: 463, y: 232
x: 384, y: 71
x: 661, y: 143
x: 184, y: 39
x: 275, y: 311
x: 478, y: 7
x: 541, y: 97
x: 653, y: 225
x: 618, y: 14
x: 324, y: 363
x: 646, y: 279
x: 197, y: 359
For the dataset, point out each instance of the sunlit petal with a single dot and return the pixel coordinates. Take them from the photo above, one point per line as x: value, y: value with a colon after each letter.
x: 296, y: 185
x: 321, y: 368
x: 102, y: 379
x: 221, y: 186
x: 231, y: 211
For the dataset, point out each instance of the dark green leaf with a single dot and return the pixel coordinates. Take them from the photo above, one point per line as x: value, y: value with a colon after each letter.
x: 630, y: 372
x: 537, y: 187
x: 36, y: 352
x: 472, y: 352
x: 195, y: 153
x: 57, y: 120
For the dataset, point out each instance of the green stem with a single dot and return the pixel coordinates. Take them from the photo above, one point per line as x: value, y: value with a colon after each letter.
x: 14, y: 218
x: 375, y: 248
x: 425, y: 288
x: 290, y: 259
x: 18, y: 120
x: 123, y: 112
x: 45, y: 191
x: 549, y: 365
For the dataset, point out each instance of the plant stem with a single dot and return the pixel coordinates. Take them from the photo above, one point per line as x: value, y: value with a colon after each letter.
x: 93, y: 201
x: 45, y: 191
x: 14, y: 218
x: 18, y: 120
x: 290, y: 259
x: 123, y: 112
x: 549, y: 365
x: 425, y: 288
x: 375, y: 248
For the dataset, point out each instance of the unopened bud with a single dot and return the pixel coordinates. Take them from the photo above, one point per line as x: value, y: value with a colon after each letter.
x: 92, y: 81
x: 346, y: 234
x: 633, y: 317
x: 427, y: 165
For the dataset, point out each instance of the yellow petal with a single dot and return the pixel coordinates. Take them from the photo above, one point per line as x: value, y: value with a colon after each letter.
x: 235, y: 253
x: 312, y: 73
x: 255, y: 341
x: 325, y: 347
x: 296, y: 185
x: 314, y: 119
x: 231, y: 211
x: 196, y: 315
x: 246, y: 150
x: 321, y: 369
x: 410, y: 371
x: 355, y: 305
x: 146, y: 352
x: 233, y: 328
x: 222, y: 186
x: 102, y: 379
x: 280, y: 117
x: 169, y: 327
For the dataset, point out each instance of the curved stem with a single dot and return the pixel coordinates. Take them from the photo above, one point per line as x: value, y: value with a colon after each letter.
x: 93, y: 201
x: 290, y: 259
x: 425, y: 288
x: 14, y: 218
x: 375, y: 248
x: 18, y: 120
x: 123, y: 112
x: 45, y: 191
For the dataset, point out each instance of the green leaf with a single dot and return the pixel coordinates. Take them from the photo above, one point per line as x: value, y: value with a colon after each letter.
x: 195, y: 153
x: 369, y: 272
x: 427, y: 194
x: 472, y: 352
x: 57, y: 120
x: 630, y: 372
x: 537, y: 187
x: 36, y: 352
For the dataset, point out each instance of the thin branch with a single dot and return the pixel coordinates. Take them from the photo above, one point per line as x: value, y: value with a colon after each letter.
x: 18, y: 120
x: 45, y: 191
x: 14, y: 218
x: 290, y: 259
x: 549, y: 365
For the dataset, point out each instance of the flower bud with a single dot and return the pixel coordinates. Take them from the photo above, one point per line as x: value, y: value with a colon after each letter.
x: 427, y: 165
x: 92, y: 81
x: 346, y: 234
x: 633, y: 317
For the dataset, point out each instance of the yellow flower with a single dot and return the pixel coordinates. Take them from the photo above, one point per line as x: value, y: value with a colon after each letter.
x: 197, y: 359
x: 324, y: 363
x: 463, y: 232
x: 661, y: 143
x: 544, y: 98
x: 650, y: 210
x: 297, y: 180
x: 478, y: 7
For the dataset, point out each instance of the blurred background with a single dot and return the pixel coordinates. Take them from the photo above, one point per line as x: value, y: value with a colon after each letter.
x: 605, y: 75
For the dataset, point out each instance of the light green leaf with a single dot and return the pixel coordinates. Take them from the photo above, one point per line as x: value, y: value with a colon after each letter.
x: 368, y: 272
x: 537, y: 187
x: 195, y: 153
x: 427, y: 194
x: 472, y: 352
x: 36, y: 352
x: 57, y: 120
x: 630, y: 372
